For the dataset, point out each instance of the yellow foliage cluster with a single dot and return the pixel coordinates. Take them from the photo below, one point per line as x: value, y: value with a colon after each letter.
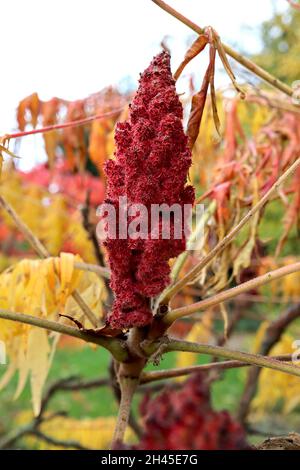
x: 276, y: 389
x: 91, y: 433
x: 41, y: 288
x: 252, y: 116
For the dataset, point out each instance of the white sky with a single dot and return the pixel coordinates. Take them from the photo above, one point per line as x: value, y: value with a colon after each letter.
x: 72, y: 48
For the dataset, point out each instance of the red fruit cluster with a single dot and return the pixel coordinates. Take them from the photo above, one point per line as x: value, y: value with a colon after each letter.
x: 150, y: 167
x: 184, y: 420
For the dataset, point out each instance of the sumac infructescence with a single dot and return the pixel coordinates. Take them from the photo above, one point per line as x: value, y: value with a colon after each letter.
x: 151, y: 165
x: 184, y: 419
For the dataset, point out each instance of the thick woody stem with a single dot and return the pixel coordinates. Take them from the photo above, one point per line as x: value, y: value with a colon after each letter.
x: 43, y: 253
x: 65, y: 125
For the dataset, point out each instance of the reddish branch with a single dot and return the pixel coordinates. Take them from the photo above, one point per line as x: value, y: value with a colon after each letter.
x: 271, y: 337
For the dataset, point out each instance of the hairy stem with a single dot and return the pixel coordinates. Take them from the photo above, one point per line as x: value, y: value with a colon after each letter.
x: 218, y: 351
x: 193, y: 273
x: 231, y: 293
x: 247, y: 63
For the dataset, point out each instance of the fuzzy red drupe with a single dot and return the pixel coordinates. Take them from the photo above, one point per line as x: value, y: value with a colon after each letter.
x: 151, y: 165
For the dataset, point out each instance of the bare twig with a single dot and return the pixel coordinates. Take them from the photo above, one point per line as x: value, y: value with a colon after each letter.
x: 56, y: 442
x: 128, y: 386
x: 43, y: 253
x: 89, y: 228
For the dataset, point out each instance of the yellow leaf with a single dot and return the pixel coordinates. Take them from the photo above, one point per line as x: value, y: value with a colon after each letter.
x: 38, y: 359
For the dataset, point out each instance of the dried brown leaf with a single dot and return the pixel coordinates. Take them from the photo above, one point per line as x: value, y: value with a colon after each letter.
x: 195, y: 49
x: 198, y: 103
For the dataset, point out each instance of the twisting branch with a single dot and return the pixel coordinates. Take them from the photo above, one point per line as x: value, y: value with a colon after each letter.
x: 205, y: 261
x: 218, y: 351
x: 149, y: 377
x: 115, y: 346
x: 247, y: 63
x: 43, y: 253
x: 231, y: 293
x: 271, y: 336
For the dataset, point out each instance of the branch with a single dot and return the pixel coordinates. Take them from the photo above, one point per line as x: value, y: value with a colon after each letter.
x: 94, y: 268
x: 231, y: 293
x: 271, y: 337
x: 149, y: 377
x: 89, y: 228
x: 113, y: 345
x: 218, y: 351
x: 43, y: 253
x: 191, y: 275
x: 247, y: 63
x: 294, y: 4
x: 65, y: 125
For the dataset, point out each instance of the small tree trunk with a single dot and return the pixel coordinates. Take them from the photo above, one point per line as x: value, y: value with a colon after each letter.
x: 128, y: 386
